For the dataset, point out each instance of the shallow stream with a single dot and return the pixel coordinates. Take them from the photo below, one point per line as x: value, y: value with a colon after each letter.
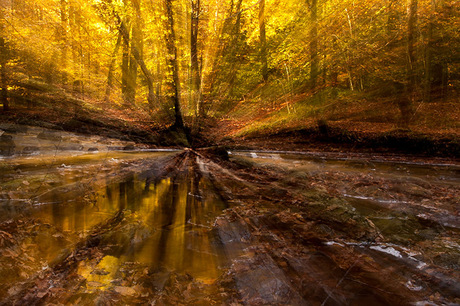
x: 53, y: 206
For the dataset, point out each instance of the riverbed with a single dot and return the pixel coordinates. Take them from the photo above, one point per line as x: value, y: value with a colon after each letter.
x: 112, y: 223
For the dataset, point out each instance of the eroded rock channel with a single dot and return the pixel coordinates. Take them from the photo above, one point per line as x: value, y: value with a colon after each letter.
x: 193, y: 227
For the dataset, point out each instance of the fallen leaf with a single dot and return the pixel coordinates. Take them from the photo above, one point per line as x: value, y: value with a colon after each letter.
x: 41, y: 294
x: 125, y: 290
x: 13, y: 195
x: 95, y: 284
x: 14, y: 290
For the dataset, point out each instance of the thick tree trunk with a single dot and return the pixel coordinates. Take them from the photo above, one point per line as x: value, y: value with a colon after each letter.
x: 196, y: 77
x: 112, y: 68
x: 172, y: 50
x: 132, y: 75
x: 263, y: 41
x: 136, y: 44
x: 76, y: 28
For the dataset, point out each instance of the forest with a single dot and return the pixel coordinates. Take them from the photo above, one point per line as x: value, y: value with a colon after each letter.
x: 255, y: 68
x: 229, y: 152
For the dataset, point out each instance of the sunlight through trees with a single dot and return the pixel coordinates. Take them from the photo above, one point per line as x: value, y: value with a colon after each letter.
x: 196, y: 58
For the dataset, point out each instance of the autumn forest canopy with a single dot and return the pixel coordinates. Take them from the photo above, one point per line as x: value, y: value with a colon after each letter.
x: 252, y: 66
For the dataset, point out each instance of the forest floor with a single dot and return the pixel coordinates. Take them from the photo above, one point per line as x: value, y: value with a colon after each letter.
x: 356, y: 126
x: 134, y: 125
x: 353, y: 122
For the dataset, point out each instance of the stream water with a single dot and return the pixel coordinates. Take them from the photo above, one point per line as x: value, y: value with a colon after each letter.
x: 53, y: 204
x: 374, y: 186
x: 172, y: 216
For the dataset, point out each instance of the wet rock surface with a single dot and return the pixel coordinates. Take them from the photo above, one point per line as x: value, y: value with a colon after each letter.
x: 21, y: 140
x: 200, y: 227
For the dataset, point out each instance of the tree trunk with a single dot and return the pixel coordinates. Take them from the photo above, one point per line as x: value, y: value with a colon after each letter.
x: 73, y: 43
x: 405, y: 105
x: 411, y: 33
x: 222, y: 47
x: 349, y: 54
x: 391, y: 18
x: 112, y: 68
x: 445, y: 80
x: 3, y: 61
x: 172, y: 50
x: 136, y: 43
x: 125, y: 73
x: 350, y: 79
x: 63, y: 40
x: 129, y: 66
x: 428, y: 82
x: 132, y: 74
x: 137, y: 55
x: 334, y: 73
x: 263, y: 41
x: 4, y: 81
x: 234, y: 49
x: 314, y: 60
x: 157, y: 83
x: 428, y: 63
x: 196, y: 77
